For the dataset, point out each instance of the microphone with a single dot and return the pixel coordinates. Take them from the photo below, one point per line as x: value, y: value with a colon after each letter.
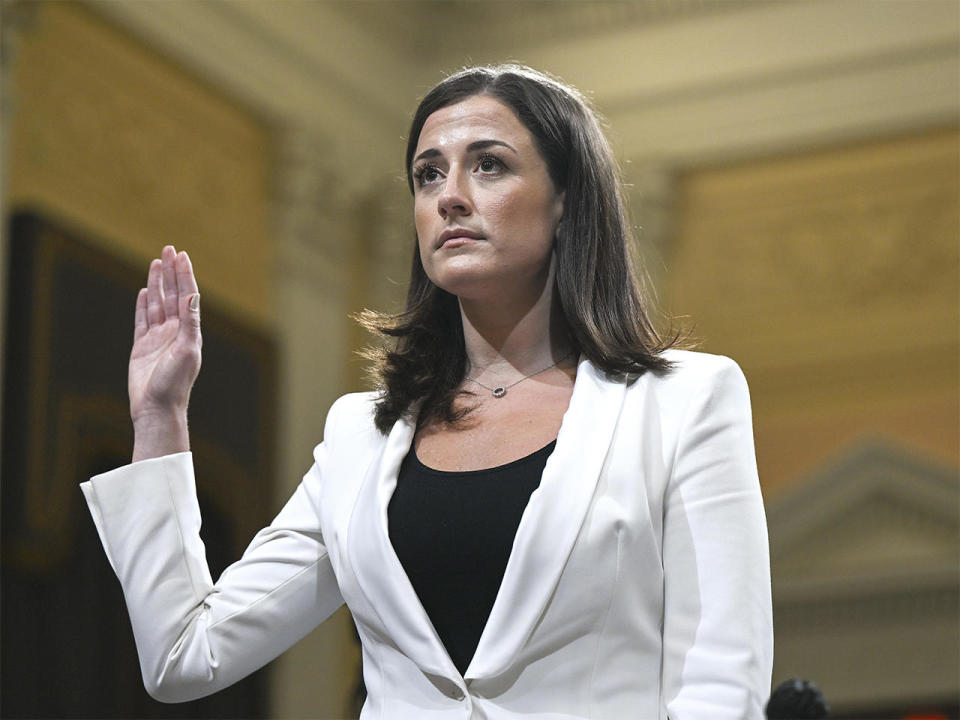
x: 797, y: 699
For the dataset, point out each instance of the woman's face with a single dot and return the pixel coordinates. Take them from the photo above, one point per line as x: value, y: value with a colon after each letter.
x: 485, y: 206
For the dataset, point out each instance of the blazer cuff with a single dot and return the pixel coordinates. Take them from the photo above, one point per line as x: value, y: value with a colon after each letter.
x: 121, y: 500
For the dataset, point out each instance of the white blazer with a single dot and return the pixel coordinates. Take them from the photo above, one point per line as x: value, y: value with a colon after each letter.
x: 638, y: 585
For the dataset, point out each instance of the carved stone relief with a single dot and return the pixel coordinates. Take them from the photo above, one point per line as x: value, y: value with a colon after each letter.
x: 865, y: 572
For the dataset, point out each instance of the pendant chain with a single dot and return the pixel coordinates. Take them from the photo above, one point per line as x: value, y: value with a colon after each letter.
x: 500, y: 390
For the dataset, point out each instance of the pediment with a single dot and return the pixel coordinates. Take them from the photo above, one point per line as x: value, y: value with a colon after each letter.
x: 877, y: 511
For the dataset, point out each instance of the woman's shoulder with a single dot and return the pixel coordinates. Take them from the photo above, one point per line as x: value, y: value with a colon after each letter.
x: 691, y: 370
x: 350, y: 426
x: 351, y: 414
x: 698, y: 386
x: 690, y: 363
x: 355, y: 403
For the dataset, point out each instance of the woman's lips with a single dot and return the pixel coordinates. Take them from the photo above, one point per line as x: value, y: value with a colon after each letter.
x: 457, y: 237
x: 458, y: 241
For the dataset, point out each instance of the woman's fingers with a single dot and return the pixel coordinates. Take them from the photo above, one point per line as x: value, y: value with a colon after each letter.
x: 140, y: 326
x: 168, y: 259
x: 155, y: 312
x: 170, y: 290
x: 186, y: 282
x: 189, y: 300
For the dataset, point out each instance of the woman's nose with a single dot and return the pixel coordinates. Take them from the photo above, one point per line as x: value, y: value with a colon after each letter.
x: 455, y: 197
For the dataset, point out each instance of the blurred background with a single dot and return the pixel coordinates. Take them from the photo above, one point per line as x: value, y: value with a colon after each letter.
x: 793, y: 171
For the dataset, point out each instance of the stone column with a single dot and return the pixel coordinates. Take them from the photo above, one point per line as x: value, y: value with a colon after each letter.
x: 651, y: 198
x: 312, y: 223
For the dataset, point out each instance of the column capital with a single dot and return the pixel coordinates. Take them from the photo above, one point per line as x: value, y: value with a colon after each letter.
x: 651, y: 200
x: 309, y: 198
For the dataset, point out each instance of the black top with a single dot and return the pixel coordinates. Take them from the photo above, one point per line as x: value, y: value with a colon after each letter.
x: 453, y: 532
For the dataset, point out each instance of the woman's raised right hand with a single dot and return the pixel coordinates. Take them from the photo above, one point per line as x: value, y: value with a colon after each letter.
x: 165, y: 358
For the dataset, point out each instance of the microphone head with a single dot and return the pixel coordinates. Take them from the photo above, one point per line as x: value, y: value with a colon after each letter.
x: 797, y: 699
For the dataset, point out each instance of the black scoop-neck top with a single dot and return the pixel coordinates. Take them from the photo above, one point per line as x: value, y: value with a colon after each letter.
x: 453, y: 532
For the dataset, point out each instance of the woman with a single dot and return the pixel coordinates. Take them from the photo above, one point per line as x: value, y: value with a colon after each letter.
x: 543, y: 513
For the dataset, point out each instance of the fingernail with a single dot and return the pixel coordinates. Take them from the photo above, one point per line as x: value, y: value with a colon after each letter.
x: 195, y: 302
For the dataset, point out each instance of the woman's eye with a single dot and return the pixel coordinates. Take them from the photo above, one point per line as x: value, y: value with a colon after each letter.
x: 488, y: 164
x: 426, y: 174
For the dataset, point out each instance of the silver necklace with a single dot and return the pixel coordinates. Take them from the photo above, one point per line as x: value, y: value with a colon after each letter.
x: 500, y: 390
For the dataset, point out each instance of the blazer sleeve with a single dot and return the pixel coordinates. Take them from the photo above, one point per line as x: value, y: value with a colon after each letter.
x: 717, y: 625
x: 194, y: 636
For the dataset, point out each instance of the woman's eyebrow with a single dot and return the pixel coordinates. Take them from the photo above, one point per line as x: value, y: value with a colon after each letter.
x: 472, y: 147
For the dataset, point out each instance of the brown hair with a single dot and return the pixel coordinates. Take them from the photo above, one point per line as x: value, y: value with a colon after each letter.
x: 600, y: 293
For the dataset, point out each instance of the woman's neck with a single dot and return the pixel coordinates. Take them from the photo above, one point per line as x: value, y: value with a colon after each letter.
x: 510, y: 336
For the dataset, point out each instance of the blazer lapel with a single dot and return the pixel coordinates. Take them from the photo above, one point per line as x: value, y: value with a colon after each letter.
x: 378, y: 570
x: 552, y: 519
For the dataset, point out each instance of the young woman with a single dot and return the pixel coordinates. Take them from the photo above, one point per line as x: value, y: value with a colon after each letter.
x: 544, y: 512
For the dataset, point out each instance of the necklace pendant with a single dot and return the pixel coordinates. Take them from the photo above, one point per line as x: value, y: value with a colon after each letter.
x: 499, y: 391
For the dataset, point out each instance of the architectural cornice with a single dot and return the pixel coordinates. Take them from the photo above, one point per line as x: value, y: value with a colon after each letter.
x: 684, y: 83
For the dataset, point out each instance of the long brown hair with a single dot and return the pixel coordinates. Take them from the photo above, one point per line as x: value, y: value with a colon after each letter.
x: 603, y: 298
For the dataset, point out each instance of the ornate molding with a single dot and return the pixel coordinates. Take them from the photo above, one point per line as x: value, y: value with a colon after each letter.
x: 758, y: 84
x: 865, y: 575
x: 307, y: 196
x: 517, y: 24
x: 875, y: 481
x: 872, y: 535
x: 906, y: 604
x: 17, y: 17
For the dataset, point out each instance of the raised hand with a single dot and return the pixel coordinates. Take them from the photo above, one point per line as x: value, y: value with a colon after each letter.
x: 165, y: 358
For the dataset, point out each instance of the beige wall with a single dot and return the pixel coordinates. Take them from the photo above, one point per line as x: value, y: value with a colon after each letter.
x: 136, y: 153
x: 831, y: 276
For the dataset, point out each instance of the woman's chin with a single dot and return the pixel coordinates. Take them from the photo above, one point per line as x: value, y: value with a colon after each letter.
x: 468, y: 288
x: 482, y: 283
x: 465, y: 279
